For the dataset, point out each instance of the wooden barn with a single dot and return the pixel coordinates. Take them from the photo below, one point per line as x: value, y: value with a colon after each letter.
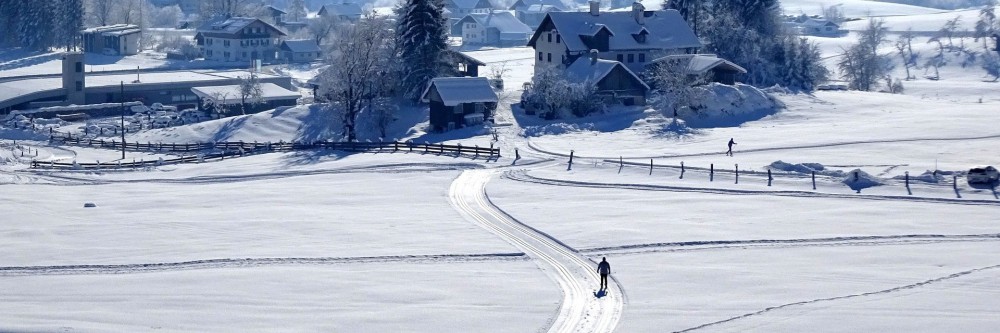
x: 457, y: 102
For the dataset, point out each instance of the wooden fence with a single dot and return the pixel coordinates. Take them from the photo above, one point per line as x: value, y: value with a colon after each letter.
x: 220, y: 150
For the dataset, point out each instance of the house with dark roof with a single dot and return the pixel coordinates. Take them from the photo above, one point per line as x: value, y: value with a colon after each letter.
x: 457, y: 9
x: 299, y: 50
x: 239, y: 39
x: 276, y: 14
x: 498, y: 28
x: 819, y: 27
x: 524, y: 4
x: 457, y: 102
x: 631, y: 37
x: 345, y: 11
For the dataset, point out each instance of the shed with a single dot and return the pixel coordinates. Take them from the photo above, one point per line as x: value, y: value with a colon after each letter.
x: 299, y: 50
x: 465, y: 64
x: 272, y: 95
x: 118, y: 39
x: 615, y: 83
x: 457, y: 102
x: 717, y: 69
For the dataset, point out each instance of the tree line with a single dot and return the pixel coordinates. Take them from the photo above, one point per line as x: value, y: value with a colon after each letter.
x: 41, y: 25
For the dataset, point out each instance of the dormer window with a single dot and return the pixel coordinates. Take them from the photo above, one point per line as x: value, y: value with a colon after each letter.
x: 641, y: 36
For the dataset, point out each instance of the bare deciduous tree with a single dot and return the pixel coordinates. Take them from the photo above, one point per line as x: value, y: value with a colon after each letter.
x: 862, y: 65
x: 251, y: 93
x: 904, y: 47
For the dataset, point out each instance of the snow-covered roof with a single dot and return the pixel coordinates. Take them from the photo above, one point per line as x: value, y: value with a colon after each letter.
x: 813, y: 22
x: 503, y: 21
x: 300, y: 45
x: 274, y: 9
x: 469, y: 4
x: 539, y: 8
x: 341, y: 9
x: 114, y: 30
x: 667, y: 30
x: 522, y: 4
x: 465, y: 58
x: 702, y: 63
x: 585, y: 69
x: 233, y: 26
x: 459, y: 90
x: 231, y: 94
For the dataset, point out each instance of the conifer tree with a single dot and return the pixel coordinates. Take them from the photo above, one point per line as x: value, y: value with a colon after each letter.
x: 423, y: 42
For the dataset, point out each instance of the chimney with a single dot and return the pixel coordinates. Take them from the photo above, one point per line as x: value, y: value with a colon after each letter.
x: 638, y: 11
x: 595, y: 7
x: 593, y: 56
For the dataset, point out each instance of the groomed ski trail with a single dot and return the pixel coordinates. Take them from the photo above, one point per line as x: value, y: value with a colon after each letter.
x: 580, y: 310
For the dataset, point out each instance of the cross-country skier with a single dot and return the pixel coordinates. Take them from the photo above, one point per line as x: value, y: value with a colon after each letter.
x: 604, y: 268
x: 731, y: 143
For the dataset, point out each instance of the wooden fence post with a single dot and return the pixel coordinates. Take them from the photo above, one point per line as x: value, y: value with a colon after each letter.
x: 682, y: 170
x: 814, y: 179
x: 570, y: 167
x: 711, y: 172
x: 517, y: 155
x: 651, y: 167
x: 737, y: 173
x: 769, y: 177
x: 477, y: 151
x: 459, y: 152
x: 442, y: 149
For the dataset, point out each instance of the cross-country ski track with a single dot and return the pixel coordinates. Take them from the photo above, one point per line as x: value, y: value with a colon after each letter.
x: 581, y: 310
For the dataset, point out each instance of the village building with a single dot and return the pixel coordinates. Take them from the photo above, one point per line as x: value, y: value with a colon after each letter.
x: 533, y: 15
x: 344, y: 11
x: 819, y: 27
x: 525, y: 4
x: 118, y: 39
x: 238, y: 39
x: 614, y: 82
x: 272, y: 96
x: 498, y: 28
x: 710, y: 66
x: 457, y: 102
x: 277, y: 15
x: 457, y: 9
x: 299, y: 51
x: 465, y: 65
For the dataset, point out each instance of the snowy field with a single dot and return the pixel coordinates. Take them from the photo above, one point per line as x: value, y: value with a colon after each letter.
x: 416, y: 242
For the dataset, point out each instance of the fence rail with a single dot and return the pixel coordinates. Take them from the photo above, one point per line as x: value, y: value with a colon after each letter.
x: 222, y: 150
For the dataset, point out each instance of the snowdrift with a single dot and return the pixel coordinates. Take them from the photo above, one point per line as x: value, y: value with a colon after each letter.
x: 858, y: 180
x: 806, y: 168
x: 721, y: 105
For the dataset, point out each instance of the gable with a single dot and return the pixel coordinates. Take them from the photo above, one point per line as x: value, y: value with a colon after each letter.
x: 666, y: 29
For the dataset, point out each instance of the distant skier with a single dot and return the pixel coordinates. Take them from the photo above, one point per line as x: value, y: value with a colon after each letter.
x: 604, y: 268
x: 731, y: 143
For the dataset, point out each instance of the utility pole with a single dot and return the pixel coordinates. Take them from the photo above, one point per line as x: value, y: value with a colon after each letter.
x: 123, y: 118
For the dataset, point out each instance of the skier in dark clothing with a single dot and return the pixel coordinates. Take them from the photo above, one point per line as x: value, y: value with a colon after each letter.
x: 731, y: 143
x: 604, y: 268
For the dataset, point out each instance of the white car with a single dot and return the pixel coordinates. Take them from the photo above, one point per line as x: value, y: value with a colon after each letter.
x: 982, y: 175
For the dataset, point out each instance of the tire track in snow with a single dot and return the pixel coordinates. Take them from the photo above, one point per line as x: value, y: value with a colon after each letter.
x: 245, y: 262
x: 580, y: 310
x: 522, y: 176
x: 803, y: 242
x: 837, y: 298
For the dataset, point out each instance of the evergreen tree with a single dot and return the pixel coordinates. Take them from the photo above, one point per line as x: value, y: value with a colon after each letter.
x: 69, y: 23
x: 423, y: 38
x: 34, y: 27
x: 296, y: 11
x: 690, y: 10
x: 987, y: 24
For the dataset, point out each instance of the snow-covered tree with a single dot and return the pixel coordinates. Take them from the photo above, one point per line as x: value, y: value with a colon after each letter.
x: 358, y: 59
x: 691, y: 10
x: 101, y: 12
x: 251, y: 93
x: 69, y: 21
x: 423, y: 39
x: 991, y: 63
x: 34, y: 27
x: 296, y: 11
x: 228, y: 8
x: 862, y: 65
x: 559, y: 98
x: 833, y: 13
x: 322, y: 26
x: 987, y: 24
x: 673, y: 86
x: 949, y: 29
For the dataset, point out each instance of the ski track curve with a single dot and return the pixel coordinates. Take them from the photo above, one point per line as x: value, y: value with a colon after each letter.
x: 245, y: 262
x: 837, y: 298
x: 881, y: 240
x: 580, y: 310
x: 522, y: 176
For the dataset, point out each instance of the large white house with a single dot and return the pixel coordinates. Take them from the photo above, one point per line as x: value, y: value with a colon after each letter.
x: 498, y: 28
x: 633, y: 38
x: 238, y: 39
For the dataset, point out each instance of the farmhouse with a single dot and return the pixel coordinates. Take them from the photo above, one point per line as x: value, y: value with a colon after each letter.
x: 238, y: 39
x: 630, y: 37
x: 118, y: 39
x: 299, y: 50
x: 457, y: 9
x: 457, y: 102
x: 345, y: 11
x: 495, y: 29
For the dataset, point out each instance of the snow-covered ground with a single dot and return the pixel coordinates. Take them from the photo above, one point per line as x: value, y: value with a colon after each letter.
x: 409, y: 242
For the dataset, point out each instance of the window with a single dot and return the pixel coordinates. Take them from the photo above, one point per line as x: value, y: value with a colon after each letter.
x: 245, y: 55
x: 208, y: 53
x: 79, y: 85
x: 79, y: 67
x: 225, y: 43
x: 558, y: 38
x: 621, y: 58
x: 631, y: 58
x: 208, y: 41
x: 539, y: 56
x: 225, y: 55
x: 459, y: 109
x: 550, y: 57
x: 642, y: 57
x: 550, y: 37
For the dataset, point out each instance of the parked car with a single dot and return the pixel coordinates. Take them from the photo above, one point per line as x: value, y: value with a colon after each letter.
x: 982, y: 175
